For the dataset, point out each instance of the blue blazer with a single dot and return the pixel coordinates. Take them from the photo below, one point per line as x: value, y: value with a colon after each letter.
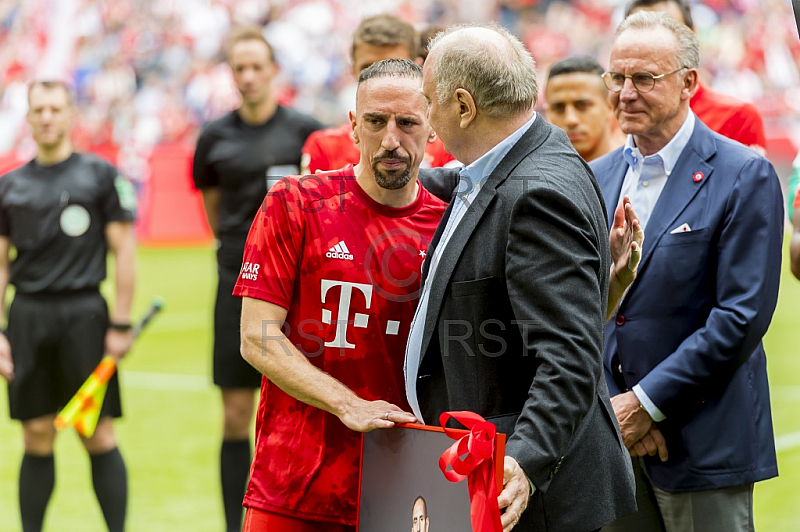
x: 689, y: 330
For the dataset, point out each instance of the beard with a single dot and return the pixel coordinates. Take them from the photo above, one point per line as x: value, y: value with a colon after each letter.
x: 391, y: 179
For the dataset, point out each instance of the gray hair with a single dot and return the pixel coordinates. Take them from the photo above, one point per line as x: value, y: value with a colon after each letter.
x: 389, y: 68
x: 500, y: 78
x: 688, y: 47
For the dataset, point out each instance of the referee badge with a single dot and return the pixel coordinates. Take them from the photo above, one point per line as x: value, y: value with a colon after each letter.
x: 126, y: 194
x: 75, y: 220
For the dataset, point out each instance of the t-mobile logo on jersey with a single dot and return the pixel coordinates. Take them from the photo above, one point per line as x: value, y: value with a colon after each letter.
x: 343, y: 314
x: 249, y: 271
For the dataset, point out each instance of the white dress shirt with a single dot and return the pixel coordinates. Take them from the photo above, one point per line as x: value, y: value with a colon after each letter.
x: 643, y: 184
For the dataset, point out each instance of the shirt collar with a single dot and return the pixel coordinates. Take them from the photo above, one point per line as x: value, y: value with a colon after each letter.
x: 476, y: 173
x: 668, y: 155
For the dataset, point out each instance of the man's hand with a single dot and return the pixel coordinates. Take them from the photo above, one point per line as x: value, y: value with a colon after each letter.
x: 118, y: 343
x: 634, y: 421
x: 514, y: 497
x: 6, y: 363
x: 651, y: 443
x: 364, y: 416
x: 625, y: 241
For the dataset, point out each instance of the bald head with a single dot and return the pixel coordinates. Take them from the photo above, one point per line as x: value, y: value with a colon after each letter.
x: 489, y: 63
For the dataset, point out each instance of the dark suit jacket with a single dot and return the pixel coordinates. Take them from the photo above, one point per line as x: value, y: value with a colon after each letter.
x: 690, y: 328
x: 441, y: 182
x: 514, y: 331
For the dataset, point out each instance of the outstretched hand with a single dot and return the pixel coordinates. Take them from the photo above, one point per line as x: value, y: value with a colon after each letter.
x: 625, y: 241
x: 364, y: 416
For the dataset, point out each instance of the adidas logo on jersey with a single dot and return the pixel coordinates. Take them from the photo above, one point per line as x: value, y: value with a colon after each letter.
x: 339, y: 251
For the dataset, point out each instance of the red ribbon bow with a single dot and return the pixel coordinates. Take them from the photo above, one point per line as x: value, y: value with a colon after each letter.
x: 477, y: 467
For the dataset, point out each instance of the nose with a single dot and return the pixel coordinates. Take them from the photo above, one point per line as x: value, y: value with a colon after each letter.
x: 391, y: 139
x: 571, y: 116
x: 628, y: 91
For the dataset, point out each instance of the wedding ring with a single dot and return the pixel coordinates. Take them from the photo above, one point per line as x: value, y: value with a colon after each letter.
x: 386, y: 416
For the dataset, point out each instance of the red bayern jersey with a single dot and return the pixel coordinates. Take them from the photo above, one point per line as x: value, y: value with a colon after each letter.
x: 347, y: 269
x: 730, y: 117
x: 331, y: 149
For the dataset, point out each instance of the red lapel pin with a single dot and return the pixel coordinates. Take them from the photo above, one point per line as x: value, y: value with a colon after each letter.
x: 698, y: 176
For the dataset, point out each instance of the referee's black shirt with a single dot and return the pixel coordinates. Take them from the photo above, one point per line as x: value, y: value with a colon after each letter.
x: 237, y: 158
x: 55, y: 216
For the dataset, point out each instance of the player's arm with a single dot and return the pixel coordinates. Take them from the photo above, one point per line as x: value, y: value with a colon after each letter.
x: 268, y: 350
x: 626, y: 240
x: 211, y: 206
x: 794, y: 249
x: 206, y: 180
x: 121, y: 242
x: 6, y: 365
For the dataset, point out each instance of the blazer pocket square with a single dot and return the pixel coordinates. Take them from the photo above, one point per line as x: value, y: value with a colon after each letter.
x: 683, y: 228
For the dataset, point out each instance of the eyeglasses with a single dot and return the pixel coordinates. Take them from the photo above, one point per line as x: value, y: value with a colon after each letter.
x: 642, y: 81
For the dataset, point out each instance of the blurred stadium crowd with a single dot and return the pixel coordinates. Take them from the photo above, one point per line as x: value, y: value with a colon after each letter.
x: 150, y: 72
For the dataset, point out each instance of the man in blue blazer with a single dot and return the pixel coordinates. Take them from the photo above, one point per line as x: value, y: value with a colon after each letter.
x: 684, y: 360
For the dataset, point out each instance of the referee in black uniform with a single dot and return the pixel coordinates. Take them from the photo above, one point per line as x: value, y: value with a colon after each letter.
x: 62, y: 212
x: 236, y: 159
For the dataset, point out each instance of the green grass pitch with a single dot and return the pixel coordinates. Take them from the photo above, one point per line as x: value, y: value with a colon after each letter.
x: 171, y: 430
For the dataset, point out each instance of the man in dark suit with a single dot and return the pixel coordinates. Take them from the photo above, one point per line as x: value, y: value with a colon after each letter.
x: 510, y: 319
x: 684, y: 351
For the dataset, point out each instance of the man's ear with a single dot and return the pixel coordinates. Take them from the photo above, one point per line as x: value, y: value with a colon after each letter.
x: 353, y: 133
x: 467, y: 110
x: 690, y: 84
x: 432, y: 137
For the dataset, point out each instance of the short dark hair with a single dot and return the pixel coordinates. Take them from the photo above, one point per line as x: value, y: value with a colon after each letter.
x: 425, y: 37
x: 579, y: 64
x: 391, y: 67
x: 249, y: 33
x: 385, y: 30
x: 50, y: 84
x: 686, y: 11
x: 424, y: 505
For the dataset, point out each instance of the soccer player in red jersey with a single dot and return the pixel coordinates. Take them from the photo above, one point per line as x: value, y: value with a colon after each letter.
x: 329, y: 281
x: 380, y: 37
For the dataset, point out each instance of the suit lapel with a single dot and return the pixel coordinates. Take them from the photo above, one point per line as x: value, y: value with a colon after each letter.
x: 681, y: 187
x: 615, y: 189
x: 531, y: 140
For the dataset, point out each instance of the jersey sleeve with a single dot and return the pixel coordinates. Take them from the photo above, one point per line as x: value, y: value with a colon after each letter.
x: 118, y: 197
x: 750, y: 128
x: 314, y: 157
x: 273, y: 248
x: 203, y: 173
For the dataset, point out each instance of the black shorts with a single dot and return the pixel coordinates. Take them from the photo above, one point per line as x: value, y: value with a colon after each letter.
x: 230, y: 369
x: 56, y: 342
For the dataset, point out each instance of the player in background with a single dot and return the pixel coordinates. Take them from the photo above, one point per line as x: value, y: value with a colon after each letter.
x: 577, y: 102
x: 63, y: 212
x: 236, y: 158
x: 379, y: 37
x: 337, y: 257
